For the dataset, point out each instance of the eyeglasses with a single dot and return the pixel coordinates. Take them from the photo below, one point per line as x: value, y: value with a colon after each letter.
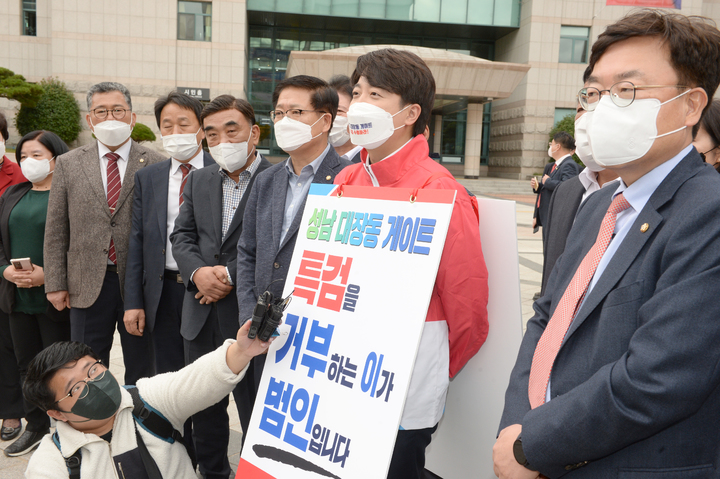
x: 80, y: 389
x: 622, y: 94
x: 102, y: 113
x: 293, y: 113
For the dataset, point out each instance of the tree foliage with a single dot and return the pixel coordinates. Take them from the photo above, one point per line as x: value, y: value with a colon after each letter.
x: 14, y: 87
x: 567, y: 124
x: 56, y: 111
x: 142, y: 133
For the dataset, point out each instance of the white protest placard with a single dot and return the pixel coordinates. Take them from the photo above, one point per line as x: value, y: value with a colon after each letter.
x: 462, y: 445
x: 334, y: 384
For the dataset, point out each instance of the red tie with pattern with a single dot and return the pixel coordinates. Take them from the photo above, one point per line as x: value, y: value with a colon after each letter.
x: 113, y: 193
x: 185, y: 172
x: 549, y: 345
x: 552, y: 170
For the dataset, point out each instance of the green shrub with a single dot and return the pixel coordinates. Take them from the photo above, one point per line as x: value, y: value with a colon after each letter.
x: 142, y: 133
x: 567, y: 125
x: 56, y: 111
x: 14, y: 87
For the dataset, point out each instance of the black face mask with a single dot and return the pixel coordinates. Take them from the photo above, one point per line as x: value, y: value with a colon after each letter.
x: 102, y: 400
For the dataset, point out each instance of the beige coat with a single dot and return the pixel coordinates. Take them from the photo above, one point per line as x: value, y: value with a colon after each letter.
x: 79, y: 224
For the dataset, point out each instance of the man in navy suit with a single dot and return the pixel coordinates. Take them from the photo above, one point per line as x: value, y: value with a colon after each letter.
x: 633, y: 388
x: 276, y: 204
x: 153, y: 285
x: 204, y: 244
x: 563, y: 168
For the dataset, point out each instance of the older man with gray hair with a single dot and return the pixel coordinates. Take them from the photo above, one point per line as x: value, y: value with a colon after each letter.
x: 88, y: 229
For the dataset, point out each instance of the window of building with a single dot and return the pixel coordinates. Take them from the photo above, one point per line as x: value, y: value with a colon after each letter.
x: 574, y: 44
x: 452, y: 143
x: 194, y: 21
x: 561, y: 113
x: 29, y: 17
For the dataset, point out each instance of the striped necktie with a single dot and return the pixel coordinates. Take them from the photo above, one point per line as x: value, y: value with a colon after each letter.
x: 185, y: 172
x: 113, y: 193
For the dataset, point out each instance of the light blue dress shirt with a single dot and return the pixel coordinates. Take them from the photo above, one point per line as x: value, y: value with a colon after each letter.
x: 298, y: 187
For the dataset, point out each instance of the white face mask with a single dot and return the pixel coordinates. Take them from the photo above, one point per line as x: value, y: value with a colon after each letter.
x: 35, y: 170
x: 112, y: 132
x: 582, y: 143
x: 370, y: 125
x: 339, y: 134
x: 619, y: 135
x: 231, y: 156
x: 182, y: 146
x: 292, y: 134
x: 550, y: 151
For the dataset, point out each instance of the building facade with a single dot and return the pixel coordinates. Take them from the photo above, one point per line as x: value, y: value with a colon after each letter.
x: 242, y: 47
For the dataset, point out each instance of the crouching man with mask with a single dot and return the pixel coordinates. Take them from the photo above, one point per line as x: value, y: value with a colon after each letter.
x: 95, y: 415
x: 393, y: 95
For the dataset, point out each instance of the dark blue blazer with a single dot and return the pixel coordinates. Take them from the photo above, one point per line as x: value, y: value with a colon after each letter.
x: 262, y: 260
x: 148, y: 238
x: 636, y: 383
x: 567, y: 169
x: 197, y: 241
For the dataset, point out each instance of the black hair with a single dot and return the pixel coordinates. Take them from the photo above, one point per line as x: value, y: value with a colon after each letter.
x: 3, y: 127
x: 47, y: 138
x: 323, y: 97
x: 403, y: 73
x: 180, y: 99
x: 565, y: 140
x: 43, y: 367
x: 229, y: 102
x: 342, y: 84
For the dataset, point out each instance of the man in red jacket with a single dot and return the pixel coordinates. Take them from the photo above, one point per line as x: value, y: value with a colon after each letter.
x: 392, y: 99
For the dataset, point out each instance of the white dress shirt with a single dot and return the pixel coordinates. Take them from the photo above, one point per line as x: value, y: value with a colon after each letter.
x: 590, y: 183
x: 173, y: 202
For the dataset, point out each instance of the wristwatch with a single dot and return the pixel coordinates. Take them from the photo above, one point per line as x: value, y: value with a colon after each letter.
x: 519, y: 453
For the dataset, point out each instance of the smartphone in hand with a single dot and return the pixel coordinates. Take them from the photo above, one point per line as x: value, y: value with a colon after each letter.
x: 22, y: 264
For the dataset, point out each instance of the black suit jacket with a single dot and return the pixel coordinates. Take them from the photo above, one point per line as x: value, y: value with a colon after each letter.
x: 146, y: 256
x: 7, y: 289
x: 567, y: 169
x: 197, y: 241
x: 636, y: 383
x: 561, y: 214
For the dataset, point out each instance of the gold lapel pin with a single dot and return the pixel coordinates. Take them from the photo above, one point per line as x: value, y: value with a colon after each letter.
x: 328, y: 177
x: 644, y: 227
x: 142, y: 160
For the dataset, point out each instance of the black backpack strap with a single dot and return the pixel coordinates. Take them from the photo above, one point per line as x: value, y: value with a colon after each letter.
x: 151, y: 467
x: 151, y: 420
x: 73, y: 462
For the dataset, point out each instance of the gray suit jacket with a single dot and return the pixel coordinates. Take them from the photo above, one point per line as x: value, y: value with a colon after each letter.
x: 561, y: 214
x: 636, y: 383
x: 197, y: 241
x: 80, y: 225
x: 262, y: 260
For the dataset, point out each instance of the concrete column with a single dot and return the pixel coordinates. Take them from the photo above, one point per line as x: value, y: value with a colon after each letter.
x: 473, y: 140
x: 438, y: 133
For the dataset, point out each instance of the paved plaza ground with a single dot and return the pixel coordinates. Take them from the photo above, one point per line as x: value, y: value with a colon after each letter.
x: 530, y: 257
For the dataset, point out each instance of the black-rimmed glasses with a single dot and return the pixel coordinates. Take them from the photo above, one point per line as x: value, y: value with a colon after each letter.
x: 102, y: 113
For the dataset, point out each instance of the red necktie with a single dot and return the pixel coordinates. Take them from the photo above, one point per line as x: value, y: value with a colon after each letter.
x: 185, y: 172
x: 113, y: 193
x: 549, y: 345
x: 552, y: 170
